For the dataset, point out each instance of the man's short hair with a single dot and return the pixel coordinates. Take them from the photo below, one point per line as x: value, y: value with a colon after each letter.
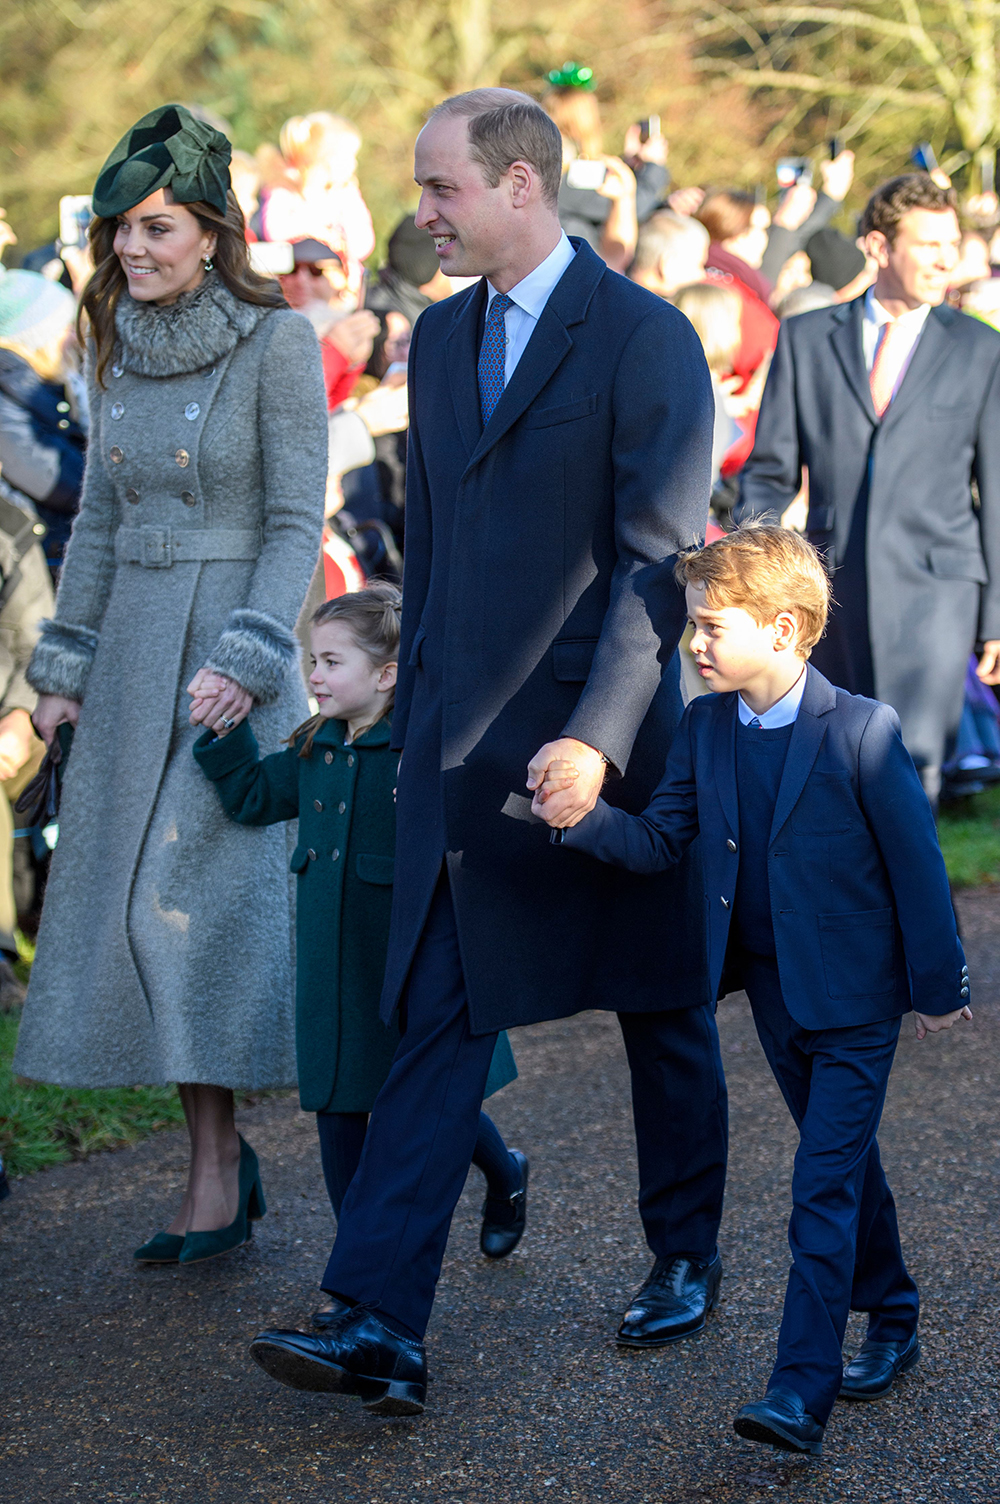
x: 726, y: 213
x: 912, y: 190
x: 668, y: 234
x: 763, y: 570
x: 505, y: 127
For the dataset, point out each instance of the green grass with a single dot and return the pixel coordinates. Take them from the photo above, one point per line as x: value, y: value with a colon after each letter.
x: 970, y: 839
x: 44, y: 1125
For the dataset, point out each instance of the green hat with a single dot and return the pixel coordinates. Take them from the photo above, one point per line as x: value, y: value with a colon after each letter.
x: 166, y: 148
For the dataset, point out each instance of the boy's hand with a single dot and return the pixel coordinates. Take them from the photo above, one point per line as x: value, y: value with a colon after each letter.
x: 559, y: 775
x: 565, y: 807
x: 933, y: 1023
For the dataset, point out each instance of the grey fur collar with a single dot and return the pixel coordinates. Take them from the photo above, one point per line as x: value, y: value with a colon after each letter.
x: 202, y: 326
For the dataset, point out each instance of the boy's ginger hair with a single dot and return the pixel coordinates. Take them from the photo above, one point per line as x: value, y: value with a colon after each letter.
x: 763, y: 570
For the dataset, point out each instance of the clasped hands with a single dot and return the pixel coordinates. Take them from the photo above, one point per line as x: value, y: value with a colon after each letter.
x: 565, y: 777
x: 216, y: 700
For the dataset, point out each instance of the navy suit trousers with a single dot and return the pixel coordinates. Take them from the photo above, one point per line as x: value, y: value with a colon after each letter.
x: 397, y: 1212
x: 843, y: 1233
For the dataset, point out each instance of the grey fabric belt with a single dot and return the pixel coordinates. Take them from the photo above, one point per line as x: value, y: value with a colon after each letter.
x: 160, y: 547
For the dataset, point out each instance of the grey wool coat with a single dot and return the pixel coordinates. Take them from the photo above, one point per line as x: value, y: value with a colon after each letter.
x: 165, y: 951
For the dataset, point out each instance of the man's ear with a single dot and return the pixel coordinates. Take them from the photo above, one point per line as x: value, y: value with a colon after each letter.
x: 877, y: 246
x: 522, y: 181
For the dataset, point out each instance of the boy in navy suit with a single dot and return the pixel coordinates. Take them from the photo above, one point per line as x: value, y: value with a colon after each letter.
x: 827, y: 900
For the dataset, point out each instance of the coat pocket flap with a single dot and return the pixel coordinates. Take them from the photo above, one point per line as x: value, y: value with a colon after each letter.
x: 544, y: 417
x: 860, y: 919
x: 572, y: 658
x: 958, y: 564
x: 375, y: 869
x: 300, y: 859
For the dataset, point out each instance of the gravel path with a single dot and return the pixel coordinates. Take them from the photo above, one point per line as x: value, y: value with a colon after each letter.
x: 121, y: 1384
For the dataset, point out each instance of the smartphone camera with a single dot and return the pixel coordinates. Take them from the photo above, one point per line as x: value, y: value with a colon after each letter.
x: 792, y: 170
x: 585, y: 175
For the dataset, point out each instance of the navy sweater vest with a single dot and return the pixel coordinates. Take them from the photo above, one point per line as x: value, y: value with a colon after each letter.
x: 760, y: 762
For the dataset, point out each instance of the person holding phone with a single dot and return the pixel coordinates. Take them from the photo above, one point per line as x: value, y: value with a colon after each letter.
x: 603, y: 199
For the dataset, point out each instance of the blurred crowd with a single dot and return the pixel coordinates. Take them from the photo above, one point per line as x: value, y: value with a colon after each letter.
x: 734, y: 263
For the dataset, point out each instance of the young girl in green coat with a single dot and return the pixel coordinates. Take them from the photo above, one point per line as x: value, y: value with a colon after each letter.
x: 337, y: 778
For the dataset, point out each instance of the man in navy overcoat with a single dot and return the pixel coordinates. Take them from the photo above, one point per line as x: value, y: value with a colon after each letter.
x: 904, y: 497
x: 560, y: 438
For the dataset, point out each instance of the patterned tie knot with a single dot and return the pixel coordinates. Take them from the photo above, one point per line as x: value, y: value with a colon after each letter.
x: 493, y: 356
x: 754, y: 724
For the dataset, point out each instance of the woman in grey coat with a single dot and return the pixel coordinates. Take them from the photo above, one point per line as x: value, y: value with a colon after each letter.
x: 165, y: 946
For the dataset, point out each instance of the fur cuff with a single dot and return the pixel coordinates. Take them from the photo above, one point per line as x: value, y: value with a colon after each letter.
x: 62, y: 659
x: 258, y: 652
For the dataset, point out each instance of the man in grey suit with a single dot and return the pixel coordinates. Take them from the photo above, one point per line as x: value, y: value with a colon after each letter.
x: 891, y: 404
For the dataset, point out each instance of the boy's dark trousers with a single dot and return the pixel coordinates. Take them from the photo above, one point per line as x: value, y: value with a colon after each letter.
x: 843, y: 1235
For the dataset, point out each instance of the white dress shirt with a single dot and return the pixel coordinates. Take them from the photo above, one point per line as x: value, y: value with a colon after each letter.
x: 528, y: 299
x: 910, y: 326
x: 782, y: 713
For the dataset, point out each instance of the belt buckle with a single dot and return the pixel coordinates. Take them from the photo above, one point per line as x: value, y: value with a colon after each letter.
x: 156, y: 548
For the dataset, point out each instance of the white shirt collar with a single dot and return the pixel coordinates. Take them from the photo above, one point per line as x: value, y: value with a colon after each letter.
x: 533, y: 291
x: 782, y: 713
x: 876, y: 314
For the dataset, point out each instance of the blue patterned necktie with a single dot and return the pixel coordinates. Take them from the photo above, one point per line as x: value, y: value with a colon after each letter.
x: 754, y: 725
x: 493, y: 356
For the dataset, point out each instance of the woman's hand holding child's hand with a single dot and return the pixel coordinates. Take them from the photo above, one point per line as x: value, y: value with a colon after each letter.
x: 215, y: 699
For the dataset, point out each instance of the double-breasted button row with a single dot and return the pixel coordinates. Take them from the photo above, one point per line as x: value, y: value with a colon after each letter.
x: 187, y: 497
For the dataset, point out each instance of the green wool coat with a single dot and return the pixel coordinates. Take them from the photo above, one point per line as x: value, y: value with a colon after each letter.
x: 342, y: 797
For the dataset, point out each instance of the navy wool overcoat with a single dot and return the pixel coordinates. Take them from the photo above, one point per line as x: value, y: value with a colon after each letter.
x: 539, y: 600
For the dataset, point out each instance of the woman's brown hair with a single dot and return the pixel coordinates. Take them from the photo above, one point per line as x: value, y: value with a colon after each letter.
x: 231, y: 258
x: 726, y: 213
x: 372, y: 616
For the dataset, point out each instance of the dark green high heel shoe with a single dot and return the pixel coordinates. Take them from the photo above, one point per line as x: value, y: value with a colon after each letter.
x: 208, y: 1245
x: 162, y: 1248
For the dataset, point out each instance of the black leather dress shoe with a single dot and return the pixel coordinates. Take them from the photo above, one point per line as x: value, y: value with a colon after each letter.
x: 876, y: 1368
x: 504, y: 1217
x: 672, y: 1304
x: 780, y: 1419
x: 328, y: 1315
x: 357, y: 1355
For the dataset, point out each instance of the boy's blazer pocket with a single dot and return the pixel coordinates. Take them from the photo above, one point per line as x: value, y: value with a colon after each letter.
x: 858, y: 952
x: 827, y: 806
x: 375, y: 869
x: 545, y: 417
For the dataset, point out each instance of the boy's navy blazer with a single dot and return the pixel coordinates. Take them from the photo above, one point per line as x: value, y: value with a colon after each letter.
x: 864, y: 927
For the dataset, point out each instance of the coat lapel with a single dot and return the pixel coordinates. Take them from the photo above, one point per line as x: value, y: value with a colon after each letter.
x: 462, y: 359
x: 547, y: 348
x: 932, y: 348
x: 725, y: 764
x: 807, y: 738
x: 845, y: 337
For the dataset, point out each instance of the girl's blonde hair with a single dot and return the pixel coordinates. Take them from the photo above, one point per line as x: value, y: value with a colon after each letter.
x: 716, y: 313
x: 372, y: 616
x: 305, y: 139
x: 577, y: 115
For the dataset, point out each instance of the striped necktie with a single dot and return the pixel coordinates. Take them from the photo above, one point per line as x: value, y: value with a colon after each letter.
x: 493, y: 356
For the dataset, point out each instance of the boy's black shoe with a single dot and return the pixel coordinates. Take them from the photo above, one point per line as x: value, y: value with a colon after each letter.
x: 504, y: 1217
x: 357, y: 1355
x: 876, y: 1368
x: 780, y: 1419
x: 672, y: 1304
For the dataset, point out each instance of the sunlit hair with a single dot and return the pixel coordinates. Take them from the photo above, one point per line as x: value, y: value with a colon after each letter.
x: 307, y: 139
x: 726, y: 213
x: 230, y: 258
x: 912, y: 190
x: 372, y: 616
x: 716, y: 312
x: 763, y: 570
x: 47, y: 361
x: 577, y: 115
x: 505, y: 127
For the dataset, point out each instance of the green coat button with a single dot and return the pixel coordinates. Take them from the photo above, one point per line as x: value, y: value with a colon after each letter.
x: 350, y: 759
x: 317, y: 804
x: 328, y: 757
x: 336, y: 855
x: 341, y: 808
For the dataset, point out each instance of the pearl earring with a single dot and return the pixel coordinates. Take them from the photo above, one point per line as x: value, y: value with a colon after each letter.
x: 209, y: 263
